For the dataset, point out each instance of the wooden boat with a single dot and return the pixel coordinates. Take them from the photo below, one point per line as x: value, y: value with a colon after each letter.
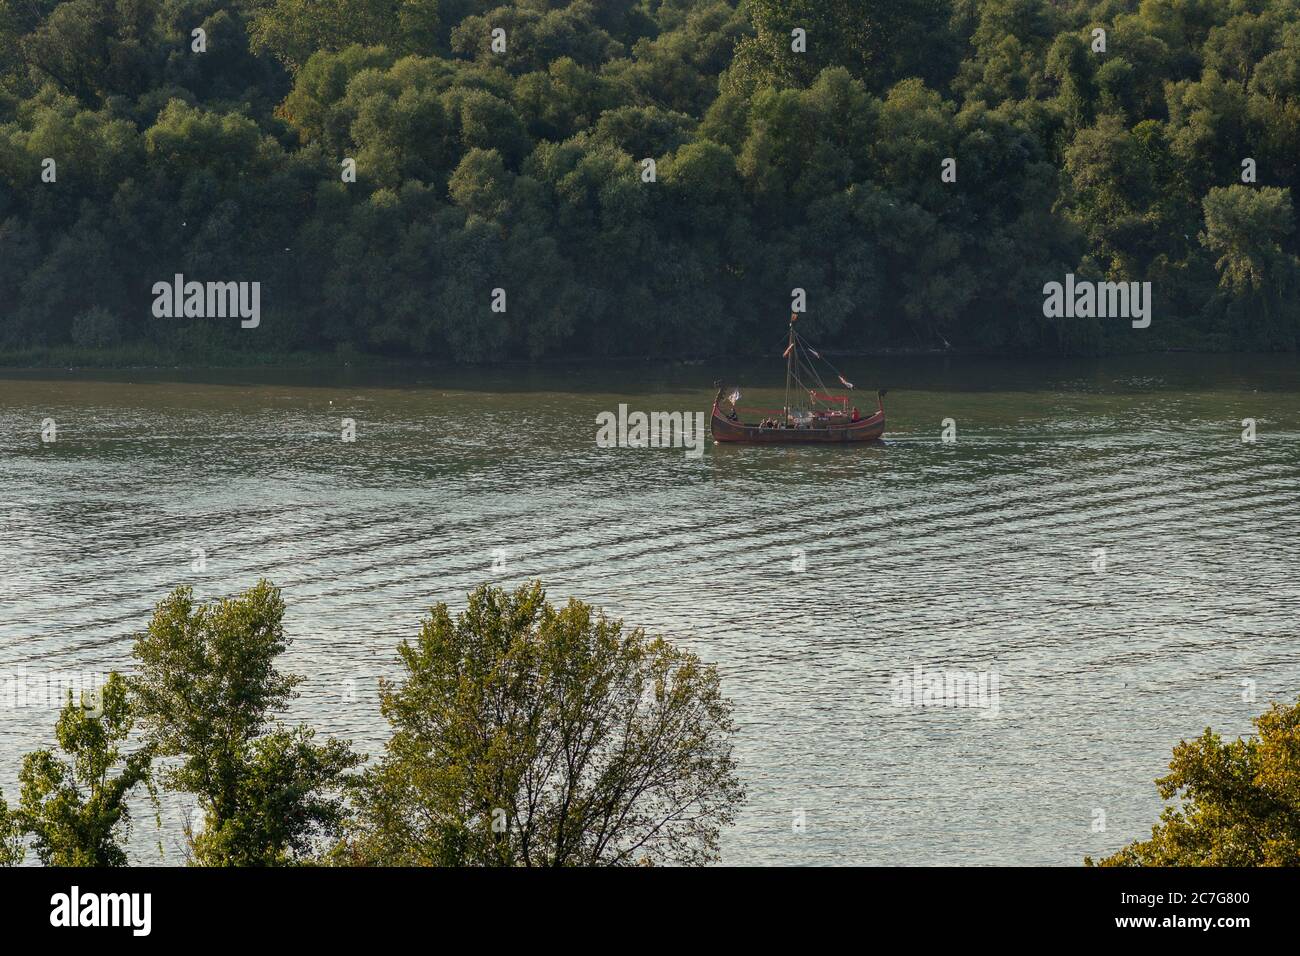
x: 809, y: 416
x: 865, y: 429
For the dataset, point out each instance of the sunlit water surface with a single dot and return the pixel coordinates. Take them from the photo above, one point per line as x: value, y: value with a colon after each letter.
x: 979, y: 555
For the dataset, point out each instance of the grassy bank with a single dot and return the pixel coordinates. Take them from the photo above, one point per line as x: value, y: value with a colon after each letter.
x: 152, y: 356
x: 148, y: 355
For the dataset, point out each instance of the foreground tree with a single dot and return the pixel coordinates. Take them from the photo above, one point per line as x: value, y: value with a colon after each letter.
x: 1240, y: 801
x: 207, y: 693
x: 530, y: 735
x: 75, y: 809
x: 12, y: 850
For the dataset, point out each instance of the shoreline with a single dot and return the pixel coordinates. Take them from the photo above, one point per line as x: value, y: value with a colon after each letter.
x: 71, y: 360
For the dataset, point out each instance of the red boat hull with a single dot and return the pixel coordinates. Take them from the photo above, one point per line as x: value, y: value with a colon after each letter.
x: 867, y: 429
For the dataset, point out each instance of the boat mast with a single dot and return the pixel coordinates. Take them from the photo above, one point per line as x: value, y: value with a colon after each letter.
x: 789, y: 365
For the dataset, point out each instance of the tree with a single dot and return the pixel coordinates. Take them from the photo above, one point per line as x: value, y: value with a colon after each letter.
x: 295, y: 29
x: 207, y: 693
x: 1240, y: 801
x: 285, y: 799
x: 95, y: 328
x: 11, y: 835
x: 1114, y: 192
x: 75, y: 810
x: 1245, y: 227
x: 94, y: 48
x: 1258, y: 278
x: 530, y: 735
x: 879, y: 43
x: 536, y: 37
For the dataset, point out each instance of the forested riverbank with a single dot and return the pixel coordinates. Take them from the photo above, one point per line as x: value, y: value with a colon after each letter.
x: 504, y: 208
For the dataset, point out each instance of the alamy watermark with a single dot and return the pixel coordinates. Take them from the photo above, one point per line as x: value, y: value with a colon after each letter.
x: 50, y: 689
x: 1085, y: 299
x: 651, y: 430
x: 943, y: 688
x: 74, y: 908
x: 208, y: 300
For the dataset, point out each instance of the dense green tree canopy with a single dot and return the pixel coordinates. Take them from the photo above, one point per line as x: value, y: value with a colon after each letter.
x: 524, y: 167
x: 530, y: 735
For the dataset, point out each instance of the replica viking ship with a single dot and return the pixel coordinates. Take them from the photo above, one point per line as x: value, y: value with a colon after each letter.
x: 810, y: 415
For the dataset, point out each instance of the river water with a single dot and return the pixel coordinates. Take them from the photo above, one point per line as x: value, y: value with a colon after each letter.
x: 818, y: 579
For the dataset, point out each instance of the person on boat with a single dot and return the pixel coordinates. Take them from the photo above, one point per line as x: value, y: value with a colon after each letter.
x: 856, y: 417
